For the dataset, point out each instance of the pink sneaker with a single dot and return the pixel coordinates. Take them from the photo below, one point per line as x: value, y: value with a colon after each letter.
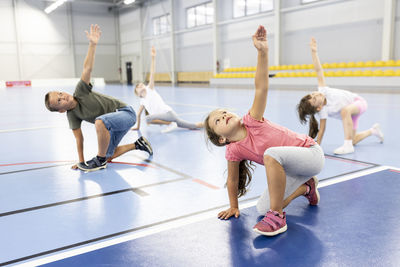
x: 272, y: 224
x: 312, y: 193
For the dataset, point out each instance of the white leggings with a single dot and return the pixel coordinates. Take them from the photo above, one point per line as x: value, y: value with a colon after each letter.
x: 299, y: 163
x: 173, y: 117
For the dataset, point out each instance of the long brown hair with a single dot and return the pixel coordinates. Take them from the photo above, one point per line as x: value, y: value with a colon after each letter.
x: 246, y: 167
x: 305, y: 110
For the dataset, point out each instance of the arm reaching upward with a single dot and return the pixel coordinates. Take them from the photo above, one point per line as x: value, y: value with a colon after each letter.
x: 152, y: 67
x: 317, y: 64
x: 93, y: 37
x: 261, y: 79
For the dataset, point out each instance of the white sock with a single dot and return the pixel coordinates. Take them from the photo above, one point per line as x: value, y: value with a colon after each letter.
x: 348, y: 143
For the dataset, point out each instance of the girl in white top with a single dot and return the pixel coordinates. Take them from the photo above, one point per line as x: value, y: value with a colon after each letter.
x: 158, y: 111
x: 336, y: 103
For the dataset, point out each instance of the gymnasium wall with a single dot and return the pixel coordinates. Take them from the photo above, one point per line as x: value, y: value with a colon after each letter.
x: 36, y: 45
x: 346, y: 30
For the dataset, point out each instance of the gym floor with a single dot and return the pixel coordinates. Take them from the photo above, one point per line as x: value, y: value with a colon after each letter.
x: 162, y: 210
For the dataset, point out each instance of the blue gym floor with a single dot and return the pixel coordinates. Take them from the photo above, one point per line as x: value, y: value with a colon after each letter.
x: 162, y: 211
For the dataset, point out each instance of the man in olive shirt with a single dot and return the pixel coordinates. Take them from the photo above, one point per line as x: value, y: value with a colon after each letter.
x: 111, y: 117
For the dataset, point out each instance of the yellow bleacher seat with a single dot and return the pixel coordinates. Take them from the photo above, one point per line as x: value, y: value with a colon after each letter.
x: 342, y: 65
x: 303, y: 66
x: 333, y: 65
x: 398, y: 63
x: 369, y: 64
x: 357, y: 73
x: 348, y: 73
x: 292, y: 74
x: 339, y: 73
x: 367, y: 73
x: 299, y: 74
x: 377, y: 73
x: 388, y: 73
x: 253, y: 68
x: 296, y: 67
x: 307, y: 74
x: 272, y: 67
x: 326, y: 65
x: 351, y: 64
x: 397, y: 73
x: 278, y: 74
x: 284, y: 67
x: 285, y: 74
x: 390, y: 63
x: 360, y: 64
x: 310, y: 66
x: 379, y: 63
x: 313, y: 74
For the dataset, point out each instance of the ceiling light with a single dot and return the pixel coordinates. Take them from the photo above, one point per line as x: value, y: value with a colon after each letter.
x: 128, y: 2
x: 53, y: 6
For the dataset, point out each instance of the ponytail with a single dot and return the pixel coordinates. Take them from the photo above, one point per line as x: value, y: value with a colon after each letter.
x: 305, y: 110
x: 245, y: 174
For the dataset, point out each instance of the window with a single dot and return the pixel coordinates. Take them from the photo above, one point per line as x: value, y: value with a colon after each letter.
x: 199, y: 15
x: 161, y: 24
x: 249, y: 7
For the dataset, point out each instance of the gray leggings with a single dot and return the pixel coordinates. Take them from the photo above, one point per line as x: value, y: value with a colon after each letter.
x: 299, y: 163
x: 173, y: 117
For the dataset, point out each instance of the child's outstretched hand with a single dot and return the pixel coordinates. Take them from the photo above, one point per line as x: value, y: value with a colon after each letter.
x: 313, y: 45
x: 94, y: 34
x: 226, y: 214
x: 153, y: 51
x: 260, y: 39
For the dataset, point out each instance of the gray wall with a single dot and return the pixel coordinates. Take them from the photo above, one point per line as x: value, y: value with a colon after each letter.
x: 54, y: 46
x: 48, y: 46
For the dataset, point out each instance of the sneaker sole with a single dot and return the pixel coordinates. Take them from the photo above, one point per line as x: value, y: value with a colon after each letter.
x: 316, y: 189
x: 149, y: 146
x: 92, y: 170
x: 279, y: 231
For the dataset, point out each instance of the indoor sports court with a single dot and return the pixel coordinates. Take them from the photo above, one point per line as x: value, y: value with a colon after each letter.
x: 162, y: 209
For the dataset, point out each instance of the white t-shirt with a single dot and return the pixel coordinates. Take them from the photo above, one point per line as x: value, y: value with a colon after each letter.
x: 336, y: 99
x: 153, y: 102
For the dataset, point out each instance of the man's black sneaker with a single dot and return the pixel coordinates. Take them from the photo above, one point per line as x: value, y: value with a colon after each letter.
x: 143, y: 144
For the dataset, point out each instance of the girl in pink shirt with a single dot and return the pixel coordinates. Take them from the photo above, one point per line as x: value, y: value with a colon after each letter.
x: 291, y: 159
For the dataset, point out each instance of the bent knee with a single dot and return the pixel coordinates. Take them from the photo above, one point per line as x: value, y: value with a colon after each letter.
x: 99, y: 124
x: 269, y: 160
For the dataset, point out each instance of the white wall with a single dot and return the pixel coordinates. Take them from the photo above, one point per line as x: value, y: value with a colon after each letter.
x: 48, y: 46
x: 396, y: 52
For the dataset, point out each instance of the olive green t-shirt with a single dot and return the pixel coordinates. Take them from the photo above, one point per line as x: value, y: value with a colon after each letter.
x: 90, y: 105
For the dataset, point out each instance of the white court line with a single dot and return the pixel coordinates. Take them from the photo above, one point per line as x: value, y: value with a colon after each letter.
x: 181, y: 222
x: 29, y: 129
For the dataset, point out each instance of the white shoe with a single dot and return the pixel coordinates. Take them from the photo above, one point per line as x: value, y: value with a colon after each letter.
x: 376, y: 130
x: 344, y: 150
x: 172, y: 126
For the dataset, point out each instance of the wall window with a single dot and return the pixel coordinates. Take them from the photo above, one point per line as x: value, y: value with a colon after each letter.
x: 249, y: 7
x: 161, y: 24
x: 200, y: 15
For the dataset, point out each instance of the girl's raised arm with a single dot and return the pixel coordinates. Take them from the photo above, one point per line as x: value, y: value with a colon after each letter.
x: 261, y: 79
x: 317, y: 64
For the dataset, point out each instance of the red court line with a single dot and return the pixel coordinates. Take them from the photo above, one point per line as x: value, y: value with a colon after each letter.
x: 394, y: 170
x: 205, y: 183
x: 37, y: 162
x: 348, y: 161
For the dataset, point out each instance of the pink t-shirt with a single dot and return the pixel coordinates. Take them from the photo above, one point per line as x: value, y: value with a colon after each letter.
x: 262, y: 135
